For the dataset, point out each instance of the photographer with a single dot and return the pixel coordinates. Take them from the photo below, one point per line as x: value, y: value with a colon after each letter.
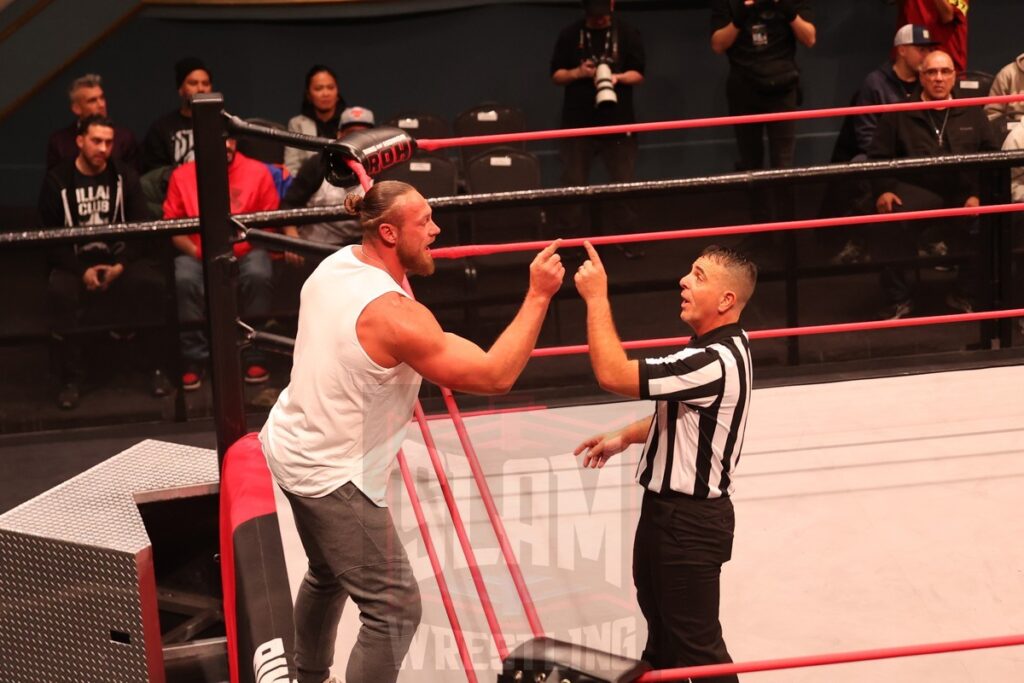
x: 759, y: 37
x: 598, y: 39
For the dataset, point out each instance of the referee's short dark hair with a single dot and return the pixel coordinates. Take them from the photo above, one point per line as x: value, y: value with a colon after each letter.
x: 737, y: 263
x: 94, y: 120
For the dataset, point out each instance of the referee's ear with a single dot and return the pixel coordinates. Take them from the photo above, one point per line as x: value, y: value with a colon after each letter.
x: 727, y: 301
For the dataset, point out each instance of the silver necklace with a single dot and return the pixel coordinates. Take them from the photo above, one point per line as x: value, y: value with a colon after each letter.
x: 939, y: 132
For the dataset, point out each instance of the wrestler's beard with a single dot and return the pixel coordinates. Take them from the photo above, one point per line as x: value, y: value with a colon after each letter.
x: 415, y: 260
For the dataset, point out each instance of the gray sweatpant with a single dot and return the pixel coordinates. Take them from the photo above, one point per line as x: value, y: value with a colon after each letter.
x: 353, y: 551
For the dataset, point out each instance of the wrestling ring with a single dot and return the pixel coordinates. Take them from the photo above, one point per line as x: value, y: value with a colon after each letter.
x: 877, y: 518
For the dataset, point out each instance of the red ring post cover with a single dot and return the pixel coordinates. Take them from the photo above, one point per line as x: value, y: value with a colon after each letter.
x: 257, y: 597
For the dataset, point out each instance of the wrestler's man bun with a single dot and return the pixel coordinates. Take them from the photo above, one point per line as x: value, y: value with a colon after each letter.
x: 354, y: 204
x: 376, y: 206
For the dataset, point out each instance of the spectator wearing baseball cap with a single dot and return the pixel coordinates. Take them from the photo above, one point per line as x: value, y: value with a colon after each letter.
x: 169, y: 141
x: 353, y: 119
x: 895, y: 81
x: 310, y: 189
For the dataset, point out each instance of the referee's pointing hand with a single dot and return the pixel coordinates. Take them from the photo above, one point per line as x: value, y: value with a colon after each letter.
x: 591, y: 280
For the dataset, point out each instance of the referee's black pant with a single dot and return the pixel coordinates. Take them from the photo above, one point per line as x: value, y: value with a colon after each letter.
x: 681, y: 544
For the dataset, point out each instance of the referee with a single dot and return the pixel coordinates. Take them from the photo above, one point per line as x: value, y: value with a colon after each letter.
x: 692, y: 446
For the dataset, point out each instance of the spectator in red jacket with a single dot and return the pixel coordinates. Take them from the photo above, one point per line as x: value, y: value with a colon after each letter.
x: 946, y: 20
x: 251, y: 188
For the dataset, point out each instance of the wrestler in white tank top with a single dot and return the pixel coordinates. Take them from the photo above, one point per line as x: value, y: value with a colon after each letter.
x: 342, y: 417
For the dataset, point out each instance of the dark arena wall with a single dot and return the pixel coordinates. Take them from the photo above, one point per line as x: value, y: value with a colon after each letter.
x: 444, y: 56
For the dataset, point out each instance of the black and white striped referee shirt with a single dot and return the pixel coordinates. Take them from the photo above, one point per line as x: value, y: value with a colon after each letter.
x: 703, y: 396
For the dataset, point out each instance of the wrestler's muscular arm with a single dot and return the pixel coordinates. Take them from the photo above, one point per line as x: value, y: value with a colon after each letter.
x: 395, y: 329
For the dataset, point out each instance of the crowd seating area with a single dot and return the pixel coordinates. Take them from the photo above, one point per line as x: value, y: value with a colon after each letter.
x: 72, y: 342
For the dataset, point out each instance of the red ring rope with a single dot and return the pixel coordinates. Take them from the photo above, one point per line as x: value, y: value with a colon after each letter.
x: 743, y: 229
x: 682, y: 674
x: 442, y: 585
x: 492, y: 513
x: 364, y: 178
x: 682, y: 124
x: 460, y: 531
x: 800, y: 331
x: 717, y: 669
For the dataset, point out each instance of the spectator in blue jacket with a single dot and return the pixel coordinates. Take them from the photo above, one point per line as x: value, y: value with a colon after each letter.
x: 890, y: 83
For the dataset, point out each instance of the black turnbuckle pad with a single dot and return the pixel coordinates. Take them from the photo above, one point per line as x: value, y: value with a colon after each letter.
x: 555, y: 661
x: 376, y: 149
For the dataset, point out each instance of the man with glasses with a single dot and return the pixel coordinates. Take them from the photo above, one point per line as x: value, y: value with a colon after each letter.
x: 930, y: 133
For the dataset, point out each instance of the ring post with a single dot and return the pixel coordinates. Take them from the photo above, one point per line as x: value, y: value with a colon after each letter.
x: 215, y: 231
x: 1000, y: 284
x: 258, y: 615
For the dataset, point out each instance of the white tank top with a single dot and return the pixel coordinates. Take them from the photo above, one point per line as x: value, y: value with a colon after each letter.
x: 342, y: 417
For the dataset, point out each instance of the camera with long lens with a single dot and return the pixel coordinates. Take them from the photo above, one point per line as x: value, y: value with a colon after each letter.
x: 605, y: 96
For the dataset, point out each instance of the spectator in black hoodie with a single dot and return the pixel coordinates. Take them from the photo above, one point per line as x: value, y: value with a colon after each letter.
x: 898, y: 81
x: 103, y: 274
x: 169, y: 140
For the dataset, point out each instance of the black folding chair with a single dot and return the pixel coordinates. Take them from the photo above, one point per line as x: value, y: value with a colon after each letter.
x: 488, y: 118
x: 421, y: 125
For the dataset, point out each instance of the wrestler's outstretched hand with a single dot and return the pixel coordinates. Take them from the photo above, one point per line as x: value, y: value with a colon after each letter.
x: 591, y: 280
x: 600, y: 447
x: 547, y: 271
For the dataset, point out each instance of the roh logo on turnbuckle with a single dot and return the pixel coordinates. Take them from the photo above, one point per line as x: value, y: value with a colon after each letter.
x: 387, y: 153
